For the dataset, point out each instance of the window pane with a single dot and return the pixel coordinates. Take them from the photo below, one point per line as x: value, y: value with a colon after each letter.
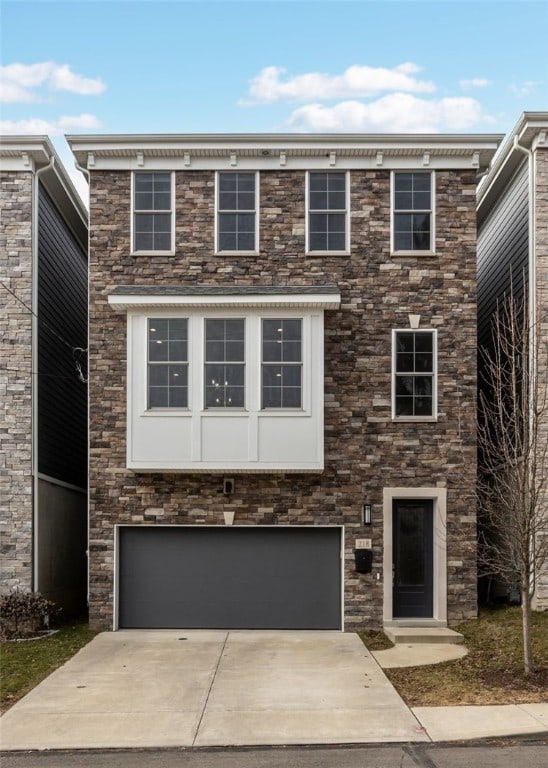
x: 405, y: 342
x: 291, y: 351
x: 178, y: 397
x: 215, y: 330
x: 318, y: 201
x: 227, y: 201
x: 227, y: 182
x: 404, y: 406
x: 158, y: 350
x: 423, y: 406
x: 318, y: 222
x: 143, y: 182
x: 158, y: 375
x: 403, y: 241
x: 421, y: 200
x: 144, y: 222
x: 318, y: 182
x: 404, y: 362
x: 404, y: 385
x: 228, y: 241
x: 336, y: 241
x: 337, y: 201
x: 215, y: 350
x: 423, y: 342
x: 291, y: 329
x: 143, y: 201
x: 291, y: 397
x: 423, y: 361
x: 291, y: 375
x: 161, y: 242
x: 178, y: 375
x: 403, y: 182
x: 272, y: 351
x: 421, y: 182
x: 234, y: 397
x: 246, y: 201
x: 272, y: 397
x: 403, y: 201
x: 336, y: 181
x: 272, y: 375
x: 235, y: 330
x: 423, y: 386
x: 158, y: 397
x: 234, y: 351
x: 162, y: 201
x: 246, y: 242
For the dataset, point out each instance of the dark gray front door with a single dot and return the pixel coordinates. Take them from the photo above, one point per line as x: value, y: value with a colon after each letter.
x: 230, y: 578
x: 413, y: 558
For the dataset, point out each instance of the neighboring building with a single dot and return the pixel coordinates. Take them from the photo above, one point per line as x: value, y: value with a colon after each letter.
x: 513, y: 243
x: 43, y: 431
x: 282, y: 332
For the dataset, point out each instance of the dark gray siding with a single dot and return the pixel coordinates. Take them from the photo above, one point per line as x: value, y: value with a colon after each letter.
x: 502, y: 250
x: 62, y: 310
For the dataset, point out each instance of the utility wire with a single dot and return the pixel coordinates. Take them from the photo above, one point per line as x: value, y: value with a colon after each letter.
x: 77, y: 352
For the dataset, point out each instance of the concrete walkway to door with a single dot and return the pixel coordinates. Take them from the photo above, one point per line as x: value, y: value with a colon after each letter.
x: 165, y: 688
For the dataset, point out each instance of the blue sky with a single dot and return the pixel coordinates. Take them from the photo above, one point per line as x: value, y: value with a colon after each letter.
x: 281, y: 65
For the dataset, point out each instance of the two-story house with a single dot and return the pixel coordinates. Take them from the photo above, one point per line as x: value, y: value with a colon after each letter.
x: 513, y: 254
x: 282, y: 379
x: 43, y: 397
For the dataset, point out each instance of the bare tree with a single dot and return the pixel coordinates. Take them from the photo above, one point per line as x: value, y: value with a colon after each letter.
x: 513, y: 456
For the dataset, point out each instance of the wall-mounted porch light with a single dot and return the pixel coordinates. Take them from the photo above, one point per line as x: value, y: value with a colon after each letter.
x: 367, y: 514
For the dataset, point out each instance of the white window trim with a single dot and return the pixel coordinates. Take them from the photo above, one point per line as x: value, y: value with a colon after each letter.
x: 434, y: 416
x: 171, y: 251
x: 347, y: 215
x: 432, y: 250
x: 166, y: 411
x: 254, y: 251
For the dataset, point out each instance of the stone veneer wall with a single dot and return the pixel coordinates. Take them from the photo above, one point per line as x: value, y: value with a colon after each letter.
x: 541, y: 246
x: 15, y: 381
x: 364, y: 450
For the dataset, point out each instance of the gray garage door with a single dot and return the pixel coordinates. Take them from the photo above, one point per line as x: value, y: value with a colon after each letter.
x: 230, y: 578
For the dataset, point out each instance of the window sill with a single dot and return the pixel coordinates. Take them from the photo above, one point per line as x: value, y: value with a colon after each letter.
x: 152, y: 253
x: 395, y: 254
x: 415, y: 419
x: 152, y: 412
x: 327, y: 253
x: 236, y: 253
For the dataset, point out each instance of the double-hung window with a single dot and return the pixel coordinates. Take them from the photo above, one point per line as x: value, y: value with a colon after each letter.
x: 413, y: 211
x: 224, y: 363
x: 152, y: 212
x: 282, y: 363
x: 414, y: 372
x: 327, y: 211
x: 167, y: 385
x: 236, y: 211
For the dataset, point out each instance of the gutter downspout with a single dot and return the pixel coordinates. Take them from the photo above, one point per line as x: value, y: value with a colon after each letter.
x: 34, y: 364
x: 88, y: 174
x: 532, y: 314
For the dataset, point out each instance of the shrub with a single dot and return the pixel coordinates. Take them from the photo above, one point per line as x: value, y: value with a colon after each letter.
x: 23, y: 614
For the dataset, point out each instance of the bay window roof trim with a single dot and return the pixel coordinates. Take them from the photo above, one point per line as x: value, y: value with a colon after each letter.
x: 126, y: 298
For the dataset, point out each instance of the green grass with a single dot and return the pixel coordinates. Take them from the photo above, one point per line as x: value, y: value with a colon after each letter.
x: 25, y: 664
x: 491, y: 673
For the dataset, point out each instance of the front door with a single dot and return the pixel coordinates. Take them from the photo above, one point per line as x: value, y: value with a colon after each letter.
x: 413, y: 558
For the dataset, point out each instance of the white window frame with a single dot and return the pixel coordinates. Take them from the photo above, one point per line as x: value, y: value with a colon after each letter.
x: 434, y: 416
x: 346, y: 250
x: 256, y: 212
x: 152, y: 252
x: 414, y: 252
x: 167, y: 409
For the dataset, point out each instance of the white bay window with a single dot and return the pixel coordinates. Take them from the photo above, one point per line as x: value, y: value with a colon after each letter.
x: 225, y: 381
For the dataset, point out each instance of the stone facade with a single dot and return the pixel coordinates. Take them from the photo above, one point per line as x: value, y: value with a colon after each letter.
x: 16, y: 381
x: 365, y: 450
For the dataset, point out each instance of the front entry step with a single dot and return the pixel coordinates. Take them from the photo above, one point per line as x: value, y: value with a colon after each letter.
x: 432, y: 635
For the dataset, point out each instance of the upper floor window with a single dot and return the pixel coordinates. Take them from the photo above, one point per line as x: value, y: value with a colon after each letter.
x: 282, y: 363
x: 153, y: 212
x: 414, y: 372
x: 225, y: 363
x: 236, y: 211
x: 327, y: 212
x: 167, y: 363
x: 413, y: 211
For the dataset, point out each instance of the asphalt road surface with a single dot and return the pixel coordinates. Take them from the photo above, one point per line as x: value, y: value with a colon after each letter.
x: 530, y: 754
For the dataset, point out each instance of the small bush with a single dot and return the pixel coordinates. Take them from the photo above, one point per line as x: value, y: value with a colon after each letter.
x: 23, y: 614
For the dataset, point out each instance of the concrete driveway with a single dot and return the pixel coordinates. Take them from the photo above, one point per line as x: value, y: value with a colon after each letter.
x: 170, y: 688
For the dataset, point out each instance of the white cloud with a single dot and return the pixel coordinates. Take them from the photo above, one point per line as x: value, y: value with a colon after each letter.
x: 355, y: 81
x: 396, y: 112
x: 474, y: 82
x: 50, y: 127
x: 525, y: 88
x: 19, y: 82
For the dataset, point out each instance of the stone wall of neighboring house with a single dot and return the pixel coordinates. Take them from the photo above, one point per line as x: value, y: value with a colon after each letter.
x: 15, y: 381
x: 541, y: 247
x: 365, y: 450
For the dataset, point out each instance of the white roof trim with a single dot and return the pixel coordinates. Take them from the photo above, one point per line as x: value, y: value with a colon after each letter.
x: 308, y: 301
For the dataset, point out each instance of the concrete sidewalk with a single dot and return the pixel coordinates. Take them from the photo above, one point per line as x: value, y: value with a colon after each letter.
x: 174, y: 688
